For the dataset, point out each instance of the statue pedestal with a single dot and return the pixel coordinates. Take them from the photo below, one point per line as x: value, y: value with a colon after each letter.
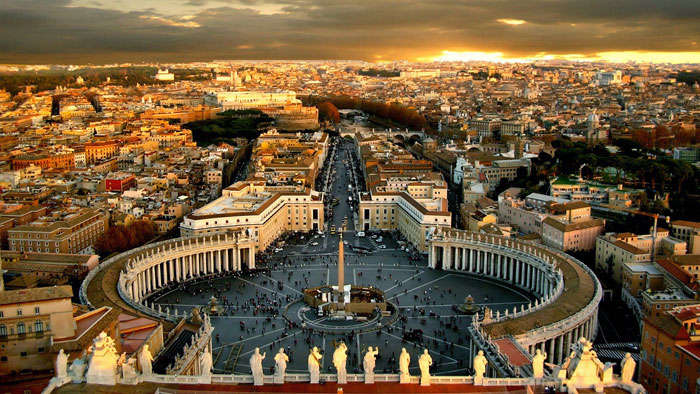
x: 258, y: 380
x: 405, y: 379
x: 342, y: 379
x: 369, y: 378
x: 425, y: 381
x: 278, y: 379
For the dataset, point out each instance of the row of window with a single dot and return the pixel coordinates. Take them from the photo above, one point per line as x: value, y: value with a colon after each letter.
x: 22, y: 328
x: 37, y: 311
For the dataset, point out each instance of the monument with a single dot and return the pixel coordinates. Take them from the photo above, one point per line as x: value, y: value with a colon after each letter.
x: 102, y: 367
x: 281, y: 360
x: 538, y: 364
x: 368, y: 363
x: 424, y: 363
x: 205, y: 363
x: 627, y: 368
x: 61, y: 366
x: 314, y: 364
x: 404, y: 362
x: 479, y: 365
x: 344, y: 301
x: 256, y: 367
x: 339, y: 359
x: 145, y: 360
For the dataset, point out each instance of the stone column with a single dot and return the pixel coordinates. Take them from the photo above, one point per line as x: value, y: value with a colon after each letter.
x: 560, y: 357
x: 226, y: 253
x: 550, y: 355
x: 445, y: 256
x: 472, y: 260
x: 251, y: 257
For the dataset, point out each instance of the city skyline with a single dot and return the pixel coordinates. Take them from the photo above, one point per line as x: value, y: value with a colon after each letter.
x: 89, y: 31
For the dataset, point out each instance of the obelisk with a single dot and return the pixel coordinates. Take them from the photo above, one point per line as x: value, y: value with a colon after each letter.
x: 341, y: 273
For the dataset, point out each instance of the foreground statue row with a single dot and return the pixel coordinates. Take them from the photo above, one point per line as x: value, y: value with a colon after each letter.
x: 102, y: 365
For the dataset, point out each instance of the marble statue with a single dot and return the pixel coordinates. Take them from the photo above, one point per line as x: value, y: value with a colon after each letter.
x: 256, y: 367
x: 205, y: 363
x: 145, y: 361
x: 479, y: 364
x: 76, y: 372
x: 404, y: 361
x: 314, y: 363
x: 102, y: 367
x: 369, y: 363
x: 129, y: 369
x: 281, y: 360
x: 339, y: 359
x: 538, y: 364
x: 61, y: 365
x: 424, y: 362
x: 627, y: 366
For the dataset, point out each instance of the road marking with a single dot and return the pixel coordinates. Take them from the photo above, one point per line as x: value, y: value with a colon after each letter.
x: 249, y: 338
x: 404, y: 281
x: 423, y: 285
x: 283, y: 284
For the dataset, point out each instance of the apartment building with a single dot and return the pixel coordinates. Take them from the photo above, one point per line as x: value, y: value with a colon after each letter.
x: 72, y: 232
x: 613, y: 251
x: 670, y: 351
x: 689, y: 232
x: 29, y: 320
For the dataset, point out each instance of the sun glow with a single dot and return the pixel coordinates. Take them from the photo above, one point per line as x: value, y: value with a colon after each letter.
x: 513, y: 22
x: 611, y: 57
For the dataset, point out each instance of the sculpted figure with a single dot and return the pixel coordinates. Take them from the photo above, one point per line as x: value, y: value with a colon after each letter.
x: 480, y: 363
x: 627, y: 366
x: 145, y: 360
x: 424, y: 362
x: 369, y: 363
x: 281, y: 360
x: 404, y: 361
x: 538, y: 364
x: 61, y: 366
x: 256, y: 367
x: 339, y: 359
x: 205, y: 363
x: 314, y: 363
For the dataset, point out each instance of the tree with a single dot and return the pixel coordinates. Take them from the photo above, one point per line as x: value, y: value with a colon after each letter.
x: 328, y: 112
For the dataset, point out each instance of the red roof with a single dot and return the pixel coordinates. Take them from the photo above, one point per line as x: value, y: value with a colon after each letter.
x: 678, y: 272
x: 515, y: 355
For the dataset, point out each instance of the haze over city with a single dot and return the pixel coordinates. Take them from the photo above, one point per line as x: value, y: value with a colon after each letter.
x: 95, y: 31
x: 350, y: 196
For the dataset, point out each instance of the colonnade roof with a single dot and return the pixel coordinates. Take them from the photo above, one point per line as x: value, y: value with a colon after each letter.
x: 579, y: 290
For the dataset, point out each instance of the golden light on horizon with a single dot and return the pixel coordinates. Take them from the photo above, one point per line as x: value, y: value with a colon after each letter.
x: 513, y: 22
x: 609, y: 56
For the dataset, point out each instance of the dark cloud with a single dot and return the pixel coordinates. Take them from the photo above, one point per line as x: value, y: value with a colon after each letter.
x: 51, y: 31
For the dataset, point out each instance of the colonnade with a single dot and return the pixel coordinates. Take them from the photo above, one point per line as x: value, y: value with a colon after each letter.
x: 184, y: 259
x: 531, y: 267
x: 526, y: 272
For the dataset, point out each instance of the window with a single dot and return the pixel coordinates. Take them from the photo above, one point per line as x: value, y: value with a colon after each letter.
x: 3, y: 330
x: 21, y: 330
x: 38, y: 326
x: 36, y: 310
x: 19, y: 312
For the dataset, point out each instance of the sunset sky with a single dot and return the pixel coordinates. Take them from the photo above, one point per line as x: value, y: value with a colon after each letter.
x: 99, y: 31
